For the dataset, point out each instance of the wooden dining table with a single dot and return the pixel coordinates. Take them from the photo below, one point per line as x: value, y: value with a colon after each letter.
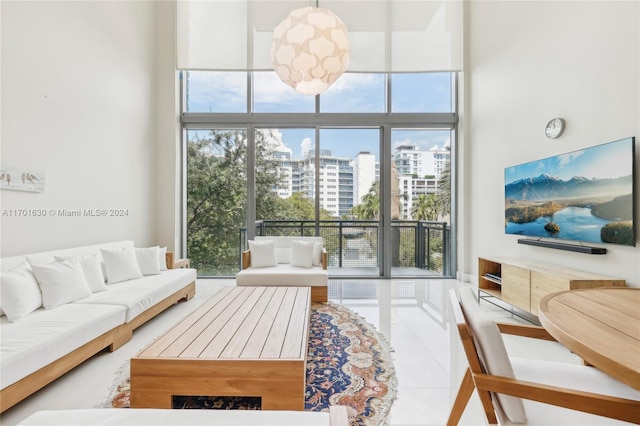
x: 600, y: 325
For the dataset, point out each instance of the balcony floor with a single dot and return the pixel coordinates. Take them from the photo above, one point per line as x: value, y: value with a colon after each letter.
x: 373, y: 272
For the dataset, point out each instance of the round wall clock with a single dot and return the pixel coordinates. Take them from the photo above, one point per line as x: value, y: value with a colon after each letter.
x: 554, y: 128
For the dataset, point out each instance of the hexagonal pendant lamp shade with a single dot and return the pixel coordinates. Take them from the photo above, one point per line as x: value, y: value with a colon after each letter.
x: 310, y: 49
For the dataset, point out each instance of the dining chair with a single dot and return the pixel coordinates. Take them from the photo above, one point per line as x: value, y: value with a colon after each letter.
x: 529, y: 391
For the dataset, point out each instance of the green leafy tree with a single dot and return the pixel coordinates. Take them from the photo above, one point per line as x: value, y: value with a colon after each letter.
x: 217, y: 196
x: 369, y: 208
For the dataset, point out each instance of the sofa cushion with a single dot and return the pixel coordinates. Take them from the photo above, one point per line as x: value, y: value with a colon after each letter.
x: 61, y: 282
x: 263, y: 253
x: 302, y: 253
x: 162, y: 258
x: 283, y: 275
x: 92, y: 269
x: 140, y: 294
x: 159, y: 416
x: 19, y: 292
x: 44, y: 336
x: 121, y: 264
x: 148, y: 260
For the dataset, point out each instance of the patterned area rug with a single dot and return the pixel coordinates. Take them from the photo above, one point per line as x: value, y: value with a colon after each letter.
x: 348, y: 363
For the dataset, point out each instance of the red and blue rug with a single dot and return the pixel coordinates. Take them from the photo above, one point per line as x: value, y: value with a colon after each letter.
x: 348, y: 363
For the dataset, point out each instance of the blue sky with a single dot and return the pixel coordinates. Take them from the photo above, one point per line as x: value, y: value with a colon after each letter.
x: 609, y: 160
x: 430, y: 92
x: 349, y: 142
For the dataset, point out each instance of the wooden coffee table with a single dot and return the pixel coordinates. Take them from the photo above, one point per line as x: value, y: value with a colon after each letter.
x: 244, y: 341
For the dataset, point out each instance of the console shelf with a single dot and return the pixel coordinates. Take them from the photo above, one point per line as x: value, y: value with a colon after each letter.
x: 522, y: 284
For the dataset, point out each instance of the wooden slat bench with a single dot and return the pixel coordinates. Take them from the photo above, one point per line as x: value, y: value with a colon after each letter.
x: 244, y: 341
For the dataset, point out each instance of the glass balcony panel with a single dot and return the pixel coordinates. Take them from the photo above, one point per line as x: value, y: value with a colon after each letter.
x: 421, y: 92
x: 216, y: 199
x: 216, y: 91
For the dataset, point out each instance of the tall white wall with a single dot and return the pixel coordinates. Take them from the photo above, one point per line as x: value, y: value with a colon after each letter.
x: 527, y: 62
x: 78, y: 104
x: 168, y: 202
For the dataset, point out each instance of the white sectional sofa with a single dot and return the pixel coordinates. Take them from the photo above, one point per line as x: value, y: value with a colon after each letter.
x: 286, y: 261
x: 42, y: 345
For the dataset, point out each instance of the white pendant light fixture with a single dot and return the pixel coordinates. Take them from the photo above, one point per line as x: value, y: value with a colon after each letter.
x: 310, y: 49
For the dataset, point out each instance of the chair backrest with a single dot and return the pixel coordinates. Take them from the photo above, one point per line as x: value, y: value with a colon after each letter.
x: 283, y: 245
x: 484, y: 348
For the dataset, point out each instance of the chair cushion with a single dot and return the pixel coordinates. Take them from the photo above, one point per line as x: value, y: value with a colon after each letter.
x: 263, y: 253
x: 317, y: 253
x: 565, y: 375
x: 302, y: 253
x: 283, y: 247
x: 492, y: 351
x: 283, y: 275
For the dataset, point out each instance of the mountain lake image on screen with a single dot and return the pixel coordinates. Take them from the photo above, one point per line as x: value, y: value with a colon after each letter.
x: 585, y: 195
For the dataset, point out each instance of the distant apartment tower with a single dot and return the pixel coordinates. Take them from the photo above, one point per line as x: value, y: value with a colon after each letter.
x: 419, y: 172
x: 411, y: 161
x: 336, y: 181
x: 365, y: 172
x: 285, y: 188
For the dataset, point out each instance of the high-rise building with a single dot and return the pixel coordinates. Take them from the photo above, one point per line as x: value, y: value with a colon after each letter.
x: 336, y: 181
x: 419, y: 172
x: 365, y: 173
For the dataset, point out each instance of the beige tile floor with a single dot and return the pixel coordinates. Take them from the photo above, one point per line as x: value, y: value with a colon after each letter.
x: 412, y: 314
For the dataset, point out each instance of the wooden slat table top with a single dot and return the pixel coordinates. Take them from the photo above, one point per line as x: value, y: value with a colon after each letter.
x: 600, y: 325
x: 258, y: 323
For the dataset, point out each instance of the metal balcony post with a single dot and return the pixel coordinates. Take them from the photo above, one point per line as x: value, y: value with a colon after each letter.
x: 420, y: 245
x: 340, y: 244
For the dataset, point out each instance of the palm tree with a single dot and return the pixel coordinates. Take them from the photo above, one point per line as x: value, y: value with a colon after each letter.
x: 369, y: 208
x: 443, y: 196
x: 424, y: 207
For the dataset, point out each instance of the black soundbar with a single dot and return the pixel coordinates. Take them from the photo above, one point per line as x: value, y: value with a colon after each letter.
x: 563, y: 246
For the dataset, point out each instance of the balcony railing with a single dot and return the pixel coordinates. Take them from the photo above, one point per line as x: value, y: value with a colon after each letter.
x: 350, y: 244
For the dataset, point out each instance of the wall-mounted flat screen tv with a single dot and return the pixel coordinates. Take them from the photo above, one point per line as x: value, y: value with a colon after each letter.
x: 586, y: 195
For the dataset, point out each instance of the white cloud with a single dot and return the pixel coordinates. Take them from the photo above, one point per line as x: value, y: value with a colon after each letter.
x: 405, y: 141
x: 568, y: 158
x: 270, y: 89
x: 306, y: 145
x: 353, y: 82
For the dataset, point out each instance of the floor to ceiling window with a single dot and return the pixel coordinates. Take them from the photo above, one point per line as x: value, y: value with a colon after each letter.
x: 367, y: 165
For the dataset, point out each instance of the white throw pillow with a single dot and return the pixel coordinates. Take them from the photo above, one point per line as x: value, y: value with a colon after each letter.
x: 121, y: 264
x: 148, y: 260
x: 492, y: 351
x: 92, y: 269
x: 263, y: 253
x: 317, y: 253
x: 61, y: 282
x: 162, y: 258
x: 20, y: 292
x: 302, y: 253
